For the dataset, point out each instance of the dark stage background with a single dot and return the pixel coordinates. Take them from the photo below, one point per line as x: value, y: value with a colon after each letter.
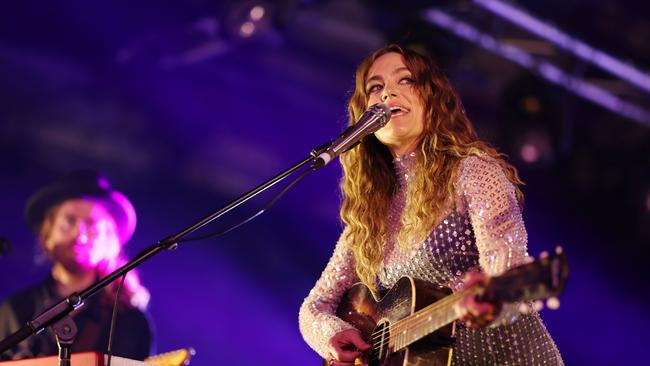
x: 185, y: 110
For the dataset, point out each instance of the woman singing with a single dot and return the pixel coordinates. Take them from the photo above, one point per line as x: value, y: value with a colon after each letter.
x: 424, y: 197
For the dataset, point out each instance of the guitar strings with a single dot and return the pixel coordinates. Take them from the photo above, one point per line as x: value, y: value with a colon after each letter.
x: 409, y: 323
x: 395, y: 330
x: 391, y: 329
x: 435, y: 306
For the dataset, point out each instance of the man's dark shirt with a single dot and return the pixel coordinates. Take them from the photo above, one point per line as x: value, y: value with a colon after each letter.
x: 132, y: 336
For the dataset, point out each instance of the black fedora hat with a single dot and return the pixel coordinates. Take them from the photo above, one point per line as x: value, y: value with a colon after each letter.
x: 82, y: 184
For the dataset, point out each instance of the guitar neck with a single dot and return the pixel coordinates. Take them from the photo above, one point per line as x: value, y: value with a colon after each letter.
x: 426, y: 320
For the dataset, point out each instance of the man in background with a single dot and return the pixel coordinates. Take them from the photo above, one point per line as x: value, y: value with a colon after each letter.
x: 81, y: 224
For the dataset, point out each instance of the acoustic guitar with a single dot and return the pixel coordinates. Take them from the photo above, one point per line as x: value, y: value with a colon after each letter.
x: 413, y: 323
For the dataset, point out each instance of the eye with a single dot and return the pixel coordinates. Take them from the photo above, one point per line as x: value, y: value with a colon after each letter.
x: 406, y: 80
x: 68, y: 222
x: 373, y: 88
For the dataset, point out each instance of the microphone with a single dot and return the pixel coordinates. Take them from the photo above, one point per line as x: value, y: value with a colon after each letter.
x: 374, y: 118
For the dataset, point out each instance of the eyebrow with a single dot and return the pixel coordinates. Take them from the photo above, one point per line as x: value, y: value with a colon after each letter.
x: 396, y: 71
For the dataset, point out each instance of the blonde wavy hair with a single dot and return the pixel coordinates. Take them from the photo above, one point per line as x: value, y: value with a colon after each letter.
x: 369, y: 180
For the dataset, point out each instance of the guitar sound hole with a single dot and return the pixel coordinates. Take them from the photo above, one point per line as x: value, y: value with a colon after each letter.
x: 380, y: 339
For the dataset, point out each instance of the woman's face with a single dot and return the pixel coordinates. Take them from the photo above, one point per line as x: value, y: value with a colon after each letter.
x: 389, y: 81
x: 82, y: 234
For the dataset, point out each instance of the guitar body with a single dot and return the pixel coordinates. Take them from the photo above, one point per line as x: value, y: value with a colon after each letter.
x: 359, y: 308
x: 422, y: 316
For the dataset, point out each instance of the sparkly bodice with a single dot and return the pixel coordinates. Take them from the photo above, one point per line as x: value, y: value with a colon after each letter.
x: 481, y: 229
x: 448, y: 252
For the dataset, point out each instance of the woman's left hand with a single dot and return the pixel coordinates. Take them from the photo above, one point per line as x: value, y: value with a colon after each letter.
x: 474, y: 313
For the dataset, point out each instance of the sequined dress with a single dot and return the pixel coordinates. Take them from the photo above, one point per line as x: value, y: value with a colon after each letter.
x: 482, y: 228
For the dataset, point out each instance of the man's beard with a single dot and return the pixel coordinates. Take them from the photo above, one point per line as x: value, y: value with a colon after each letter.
x: 69, y: 259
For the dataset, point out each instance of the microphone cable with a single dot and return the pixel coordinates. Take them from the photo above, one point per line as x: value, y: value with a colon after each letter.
x: 113, y: 318
x: 253, y: 216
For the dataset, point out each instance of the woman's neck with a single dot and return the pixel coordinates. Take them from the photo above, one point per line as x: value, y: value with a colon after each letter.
x: 68, y: 282
x: 400, y: 150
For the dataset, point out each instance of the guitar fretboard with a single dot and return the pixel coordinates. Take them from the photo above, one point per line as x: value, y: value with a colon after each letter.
x: 426, y: 321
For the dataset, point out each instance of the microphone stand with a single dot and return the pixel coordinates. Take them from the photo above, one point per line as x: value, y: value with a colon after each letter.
x: 57, y: 315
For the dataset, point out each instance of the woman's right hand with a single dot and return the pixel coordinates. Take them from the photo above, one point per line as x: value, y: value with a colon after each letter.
x: 344, y: 347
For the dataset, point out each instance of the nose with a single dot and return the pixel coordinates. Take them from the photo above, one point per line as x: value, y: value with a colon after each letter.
x: 82, y: 233
x: 386, y: 93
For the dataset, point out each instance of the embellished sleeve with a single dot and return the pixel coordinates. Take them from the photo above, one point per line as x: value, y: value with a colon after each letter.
x: 496, y: 218
x: 317, y: 316
x: 495, y: 215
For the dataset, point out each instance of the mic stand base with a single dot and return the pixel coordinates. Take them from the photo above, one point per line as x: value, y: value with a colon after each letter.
x: 65, y: 331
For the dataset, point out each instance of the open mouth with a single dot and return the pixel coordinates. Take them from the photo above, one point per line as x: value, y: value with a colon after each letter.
x: 397, y: 111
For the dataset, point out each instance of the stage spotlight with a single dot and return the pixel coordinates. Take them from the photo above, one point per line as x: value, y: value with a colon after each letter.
x: 246, y: 19
x: 531, y: 104
x: 247, y: 29
x: 530, y: 153
x: 531, y: 121
x: 535, y: 146
x: 257, y: 13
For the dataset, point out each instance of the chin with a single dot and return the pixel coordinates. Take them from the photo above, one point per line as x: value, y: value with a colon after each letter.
x: 75, y: 267
x: 80, y: 265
